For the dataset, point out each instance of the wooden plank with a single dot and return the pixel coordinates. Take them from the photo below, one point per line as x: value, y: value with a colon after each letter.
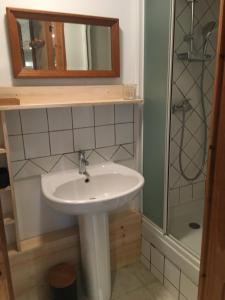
x: 8, y: 219
x: 13, y: 200
x: 6, y: 292
x: 2, y: 150
x: 36, y: 97
x: 212, y: 270
x: 9, y: 101
x: 41, y: 253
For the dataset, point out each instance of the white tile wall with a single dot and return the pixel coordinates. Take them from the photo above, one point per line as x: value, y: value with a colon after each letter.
x: 179, y: 285
x: 84, y: 139
x: 168, y: 285
x: 145, y: 249
x: 16, y: 147
x: 34, y: 120
x: 186, y: 194
x: 124, y: 113
x: 188, y: 288
x: 105, y: 136
x: 157, y: 259
x: 172, y: 273
x: 61, y: 142
x: 104, y: 115
x: 186, y: 85
x: 145, y: 262
x: 13, y: 122
x: 83, y: 117
x: 124, y: 133
x: 156, y: 273
x: 36, y: 145
x: 50, y: 138
x: 59, y: 118
x: 182, y: 297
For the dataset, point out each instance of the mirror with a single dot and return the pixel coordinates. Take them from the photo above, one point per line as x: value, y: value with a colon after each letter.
x: 45, y: 44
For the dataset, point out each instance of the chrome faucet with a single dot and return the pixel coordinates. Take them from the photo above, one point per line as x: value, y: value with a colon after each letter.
x: 83, y: 163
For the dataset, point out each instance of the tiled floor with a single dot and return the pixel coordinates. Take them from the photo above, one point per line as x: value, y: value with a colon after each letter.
x: 131, y: 283
x: 137, y: 283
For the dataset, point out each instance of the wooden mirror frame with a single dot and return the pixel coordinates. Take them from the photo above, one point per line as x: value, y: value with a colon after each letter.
x: 20, y: 72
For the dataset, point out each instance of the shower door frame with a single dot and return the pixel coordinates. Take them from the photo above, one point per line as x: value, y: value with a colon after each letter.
x: 168, y: 117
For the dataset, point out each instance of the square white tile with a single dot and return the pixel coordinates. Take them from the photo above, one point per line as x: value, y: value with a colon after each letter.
x: 84, y: 139
x: 188, y: 288
x: 83, y: 116
x: 145, y: 248
x: 16, y: 147
x: 172, y: 273
x: 124, y: 133
x: 174, y: 197
x: 124, y: 113
x: 36, y: 145
x: 13, y: 122
x: 157, y: 259
x: 34, y: 120
x: 199, y: 190
x: 182, y: 297
x: 156, y: 273
x: 61, y: 142
x: 105, y: 136
x: 145, y: 262
x: 173, y: 291
x: 104, y: 114
x: 59, y: 118
x: 186, y: 194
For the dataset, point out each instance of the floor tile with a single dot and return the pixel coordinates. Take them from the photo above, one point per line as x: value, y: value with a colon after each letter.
x: 142, y: 273
x: 139, y: 294
x: 123, y: 281
x: 158, y: 292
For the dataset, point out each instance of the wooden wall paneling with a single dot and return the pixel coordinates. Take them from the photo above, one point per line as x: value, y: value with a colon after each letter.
x: 6, y: 291
x: 11, y: 219
x: 212, y: 271
x: 41, y: 253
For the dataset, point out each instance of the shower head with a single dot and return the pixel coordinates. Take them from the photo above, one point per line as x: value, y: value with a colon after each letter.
x: 208, y: 29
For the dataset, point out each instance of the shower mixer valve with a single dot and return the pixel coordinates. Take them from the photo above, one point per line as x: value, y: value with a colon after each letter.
x: 184, y: 106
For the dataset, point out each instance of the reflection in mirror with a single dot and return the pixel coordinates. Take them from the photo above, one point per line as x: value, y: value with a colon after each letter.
x: 47, y: 45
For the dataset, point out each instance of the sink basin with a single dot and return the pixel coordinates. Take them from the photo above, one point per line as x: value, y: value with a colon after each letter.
x: 108, y: 187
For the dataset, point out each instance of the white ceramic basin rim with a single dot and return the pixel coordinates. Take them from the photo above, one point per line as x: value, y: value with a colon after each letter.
x: 110, y: 186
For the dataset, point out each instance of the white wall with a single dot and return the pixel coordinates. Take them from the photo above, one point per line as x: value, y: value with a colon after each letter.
x: 126, y: 10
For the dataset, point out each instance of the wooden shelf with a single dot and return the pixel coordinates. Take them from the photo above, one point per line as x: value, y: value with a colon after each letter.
x: 61, y: 96
x: 2, y: 150
x: 8, y: 219
x: 12, y: 249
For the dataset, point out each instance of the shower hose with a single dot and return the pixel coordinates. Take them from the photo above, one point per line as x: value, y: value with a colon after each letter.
x: 204, y: 148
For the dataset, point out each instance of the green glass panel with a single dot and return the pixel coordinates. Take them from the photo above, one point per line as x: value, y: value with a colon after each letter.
x: 157, y: 35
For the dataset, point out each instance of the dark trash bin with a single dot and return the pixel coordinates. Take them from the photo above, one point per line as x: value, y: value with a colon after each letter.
x: 63, y: 282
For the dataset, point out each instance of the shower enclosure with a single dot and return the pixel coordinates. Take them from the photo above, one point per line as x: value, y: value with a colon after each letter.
x: 180, y: 50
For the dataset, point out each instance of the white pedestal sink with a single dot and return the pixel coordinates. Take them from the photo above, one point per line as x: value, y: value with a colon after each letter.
x: 109, y: 187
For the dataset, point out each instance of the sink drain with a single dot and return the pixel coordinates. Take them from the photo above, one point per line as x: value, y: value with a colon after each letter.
x: 194, y: 225
x: 92, y: 198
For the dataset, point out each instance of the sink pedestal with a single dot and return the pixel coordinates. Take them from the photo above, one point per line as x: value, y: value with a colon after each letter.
x: 95, y: 254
